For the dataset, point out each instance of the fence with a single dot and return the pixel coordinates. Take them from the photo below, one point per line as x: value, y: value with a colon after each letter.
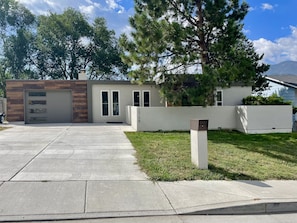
x: 247, y: 119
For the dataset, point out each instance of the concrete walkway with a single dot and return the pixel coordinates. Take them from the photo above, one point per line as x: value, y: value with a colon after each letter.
x: 78, y: 171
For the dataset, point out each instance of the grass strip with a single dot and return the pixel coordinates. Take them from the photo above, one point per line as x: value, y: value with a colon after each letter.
x: 166, y: 156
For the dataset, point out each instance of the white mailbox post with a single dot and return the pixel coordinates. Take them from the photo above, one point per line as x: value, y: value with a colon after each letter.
x: 199, y: 151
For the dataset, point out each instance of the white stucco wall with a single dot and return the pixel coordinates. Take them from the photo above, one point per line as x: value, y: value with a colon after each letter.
x: 134, y: 117
x: 233, y: 96
x: 247, y: 119
x: 178, y: 118
x: 264, y: 119
x: 125, y: 99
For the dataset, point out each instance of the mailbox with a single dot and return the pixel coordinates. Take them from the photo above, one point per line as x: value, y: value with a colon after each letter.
x: 199, y: 125
x: 199, y: 151
x: 203, y: 125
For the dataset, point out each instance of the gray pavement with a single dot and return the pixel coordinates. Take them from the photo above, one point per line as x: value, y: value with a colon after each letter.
x: 276, y: 218
x: 89, y: 171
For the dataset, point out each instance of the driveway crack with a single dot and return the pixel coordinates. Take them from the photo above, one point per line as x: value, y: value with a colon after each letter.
x: 41, y: 151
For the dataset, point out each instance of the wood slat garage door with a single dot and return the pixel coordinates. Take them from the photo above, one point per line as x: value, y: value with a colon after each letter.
x: 48, y: 107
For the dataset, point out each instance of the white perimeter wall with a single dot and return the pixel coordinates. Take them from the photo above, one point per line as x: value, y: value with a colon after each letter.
x: 178, y: 118
x: 248, y: 119
x: 263, y: 119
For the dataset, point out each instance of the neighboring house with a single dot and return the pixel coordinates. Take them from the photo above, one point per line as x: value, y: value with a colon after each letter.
x: 78, y: 101
x: 284, y: 86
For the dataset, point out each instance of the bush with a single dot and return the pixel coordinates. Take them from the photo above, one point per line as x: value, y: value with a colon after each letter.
x: 259, y: 100
x: 252, y: 100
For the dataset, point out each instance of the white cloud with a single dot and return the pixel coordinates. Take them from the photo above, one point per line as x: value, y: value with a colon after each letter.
x: 112, y: 4
x: 251, y: 9
x: 115, y: 6
x: 51, y: 3
x: 282, y: 49
x: 112, y: 10
x: 267, y: 6
x: 92, y: 3
x: 127, y: 29
x: 87, y: 10
x: 42, y: 7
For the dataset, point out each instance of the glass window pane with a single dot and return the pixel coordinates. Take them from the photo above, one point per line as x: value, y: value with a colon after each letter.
x: 37, y: 110
x: 37, y: 102
x: 219, y: 96
x: 219, y: 100
x: 38, y: 119
x: 37, y: 94
x: 146, y: 99
x: 104, y: 97
x: 115, y: 97
x: 105, y: 109
x: 115, y: 103
x: 136, y: 99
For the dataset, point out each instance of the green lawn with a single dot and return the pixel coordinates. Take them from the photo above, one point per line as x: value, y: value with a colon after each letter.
x: 166, y: 156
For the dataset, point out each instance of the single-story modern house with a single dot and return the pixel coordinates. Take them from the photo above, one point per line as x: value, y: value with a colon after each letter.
x: 78, y: 101
x: 284, y: 86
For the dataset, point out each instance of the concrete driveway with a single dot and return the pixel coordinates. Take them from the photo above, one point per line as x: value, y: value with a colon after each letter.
x: 72, y: 169
x: 67, y: 152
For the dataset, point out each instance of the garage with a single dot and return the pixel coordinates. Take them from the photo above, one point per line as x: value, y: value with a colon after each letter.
x: 48, y: 106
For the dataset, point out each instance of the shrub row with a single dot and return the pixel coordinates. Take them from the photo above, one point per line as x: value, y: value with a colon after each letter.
x: 260, y: 100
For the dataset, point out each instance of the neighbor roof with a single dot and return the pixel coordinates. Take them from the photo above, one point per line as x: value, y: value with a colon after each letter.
x: 286, y: 80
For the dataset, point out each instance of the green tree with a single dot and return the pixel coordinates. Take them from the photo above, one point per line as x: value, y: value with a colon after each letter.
x: 17, y: 51
x: 67, y: 43
x: 4, y: 75
x: 172, y: 39
x: 60, y: 41
x: 103, y: 54
x: 15, y: 23
x: 12, y: 17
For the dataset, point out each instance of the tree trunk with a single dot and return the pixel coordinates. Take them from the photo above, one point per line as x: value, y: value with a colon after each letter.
x: 204, y: 56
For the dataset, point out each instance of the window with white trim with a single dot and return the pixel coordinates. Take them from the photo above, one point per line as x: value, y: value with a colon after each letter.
x: 105, y: 104
x: 219, y: 98
x: 136, y: 98
x: 146, y: 98
x: 115, y: 103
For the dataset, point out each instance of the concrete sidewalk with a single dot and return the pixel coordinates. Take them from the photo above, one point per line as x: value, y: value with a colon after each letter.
x: 78, y: 171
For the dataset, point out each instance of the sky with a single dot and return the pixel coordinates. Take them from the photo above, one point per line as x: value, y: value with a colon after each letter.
x: 270, y: 24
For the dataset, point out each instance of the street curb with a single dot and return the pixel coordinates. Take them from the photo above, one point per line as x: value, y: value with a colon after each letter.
x: 246, y: 209
x: 85, y: 216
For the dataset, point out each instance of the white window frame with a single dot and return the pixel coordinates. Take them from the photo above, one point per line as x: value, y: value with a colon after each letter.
x: 133, y: 102
x: 219, y: 102
x: 150, y: 101
x: 108, y: 103
x: 112, y: 103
